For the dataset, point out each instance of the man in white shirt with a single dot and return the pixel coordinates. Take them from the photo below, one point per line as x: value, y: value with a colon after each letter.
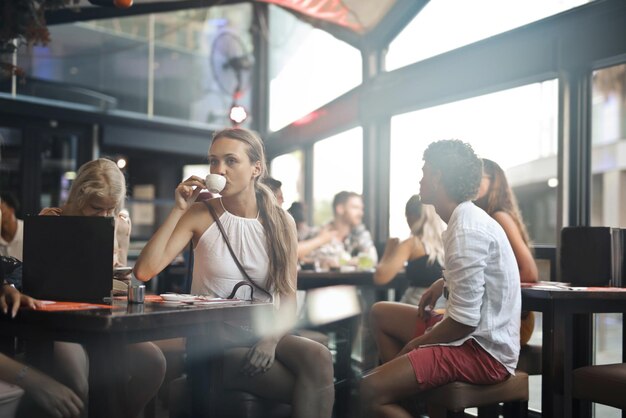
x: 12, y: 231
x: 477, y: 339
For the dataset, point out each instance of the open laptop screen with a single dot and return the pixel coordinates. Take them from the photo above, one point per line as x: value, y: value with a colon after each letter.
x: 68, y: 258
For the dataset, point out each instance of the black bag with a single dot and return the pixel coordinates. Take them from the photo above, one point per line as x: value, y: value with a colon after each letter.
x: 11, y: 271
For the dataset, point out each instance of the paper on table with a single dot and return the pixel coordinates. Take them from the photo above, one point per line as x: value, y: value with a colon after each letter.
x: 194, y: 299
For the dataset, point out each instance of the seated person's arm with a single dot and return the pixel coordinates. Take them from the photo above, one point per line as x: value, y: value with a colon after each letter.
x: 11, y: 300
x: 169, y: 241
x: 325, y: 236
x: 49, y: 394
x: 122, y: 237
x: 396, y: 255
x: 448, y: 330
x: 528, y: 271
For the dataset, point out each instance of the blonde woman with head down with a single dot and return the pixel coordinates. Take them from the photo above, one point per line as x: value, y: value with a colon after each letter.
x: 421, y: 254
x: 277, y: 366
x: 99, y: 189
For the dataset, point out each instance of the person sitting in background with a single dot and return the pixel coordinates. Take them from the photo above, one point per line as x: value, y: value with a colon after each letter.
x: 278, y: 365
x: 276, y: 188
x: 477, y: 339
x: 297, y: 212
x: 99, y: 189
x: 497, y: 199
x: 345, y: 237
x: 12, y: 231
x: 421, y: 253
x: 44, y: 396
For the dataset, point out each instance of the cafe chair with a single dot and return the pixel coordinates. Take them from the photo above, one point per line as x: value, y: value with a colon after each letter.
x: 452, y: 399
x: 10, y: 396
x: 605, y: 384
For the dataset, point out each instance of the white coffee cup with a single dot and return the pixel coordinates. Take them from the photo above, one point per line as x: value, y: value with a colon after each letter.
x: 215, y: 183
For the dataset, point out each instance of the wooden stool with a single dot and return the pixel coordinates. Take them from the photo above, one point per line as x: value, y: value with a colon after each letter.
x: 454, y: 397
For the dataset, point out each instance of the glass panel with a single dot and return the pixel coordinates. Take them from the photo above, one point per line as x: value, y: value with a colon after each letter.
x: 517, y: 128
x: 59, y: 153
x: 308, y: 68
x: 106, y: 63
x: 444, y: 25
x: 608, y: 129
x: 90, y: 64
x: 339, y: 154
x: 213, y: 46
x: 289, y: 169
x: 608, y: 195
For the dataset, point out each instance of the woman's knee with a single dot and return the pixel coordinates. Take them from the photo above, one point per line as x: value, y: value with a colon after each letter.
x: 149, y: 362
x: 377, y: 312
x: 316, y: 362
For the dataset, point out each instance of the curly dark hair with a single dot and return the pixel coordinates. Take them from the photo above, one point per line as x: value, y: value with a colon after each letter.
x: 461, y: 169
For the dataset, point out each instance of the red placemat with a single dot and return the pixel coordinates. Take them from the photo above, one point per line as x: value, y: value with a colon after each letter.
x: 70, y: 306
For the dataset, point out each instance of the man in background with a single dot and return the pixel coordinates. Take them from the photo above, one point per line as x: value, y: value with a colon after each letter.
x: 344, y: 238
x: 12, y: 229
x: 276, y: 187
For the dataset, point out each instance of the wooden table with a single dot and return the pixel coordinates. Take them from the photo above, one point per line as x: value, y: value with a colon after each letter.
x: 311, y: 279
x: 106, y: 332
x: 568, y: 341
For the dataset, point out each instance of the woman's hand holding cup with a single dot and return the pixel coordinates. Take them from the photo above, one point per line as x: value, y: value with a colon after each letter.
x: 187, y: 192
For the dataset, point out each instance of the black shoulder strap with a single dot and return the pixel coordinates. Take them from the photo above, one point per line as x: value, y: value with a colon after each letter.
x: 232, y: 253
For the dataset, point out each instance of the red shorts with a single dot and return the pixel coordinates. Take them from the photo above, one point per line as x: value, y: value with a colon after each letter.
x: 438, y: 365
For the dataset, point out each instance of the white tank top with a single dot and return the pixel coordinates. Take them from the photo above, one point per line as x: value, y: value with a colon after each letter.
x: 214, y: 270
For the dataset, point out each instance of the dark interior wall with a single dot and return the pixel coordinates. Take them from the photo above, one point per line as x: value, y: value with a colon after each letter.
x: 163, y: 170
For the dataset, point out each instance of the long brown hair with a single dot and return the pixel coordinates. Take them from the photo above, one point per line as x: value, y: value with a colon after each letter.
x: 279, y: 231
x: 500, y: 197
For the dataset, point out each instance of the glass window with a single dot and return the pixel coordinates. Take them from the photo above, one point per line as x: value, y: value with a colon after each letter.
x: 337, y: 166
x: 198, y: 56
x: 308, y: 68
x: 444, y: 25
x: 517, y: 128
x: 289, y: 169
x: 608, y: 196
x: 608, y: 129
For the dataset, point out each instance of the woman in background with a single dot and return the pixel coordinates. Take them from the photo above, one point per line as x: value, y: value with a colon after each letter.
x: 99, y: 190
x: 497, y: 199
x: 278, y: 365
x: 422, y: 252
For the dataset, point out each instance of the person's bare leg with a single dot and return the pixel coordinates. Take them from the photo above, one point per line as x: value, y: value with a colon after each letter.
x: 72, y: 368
x: 301, y: 375
x: 146, y: 367
x: 385, y: 386
x: 393, y: 325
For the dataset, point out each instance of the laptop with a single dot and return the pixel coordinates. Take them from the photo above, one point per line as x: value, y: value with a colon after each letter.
x: 68, y: 258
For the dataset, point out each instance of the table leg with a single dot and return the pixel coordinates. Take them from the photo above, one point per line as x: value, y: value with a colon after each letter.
x: 547, y: 362
x: 203, y: 356
x: 582, y: 356
x: 107, y: 386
